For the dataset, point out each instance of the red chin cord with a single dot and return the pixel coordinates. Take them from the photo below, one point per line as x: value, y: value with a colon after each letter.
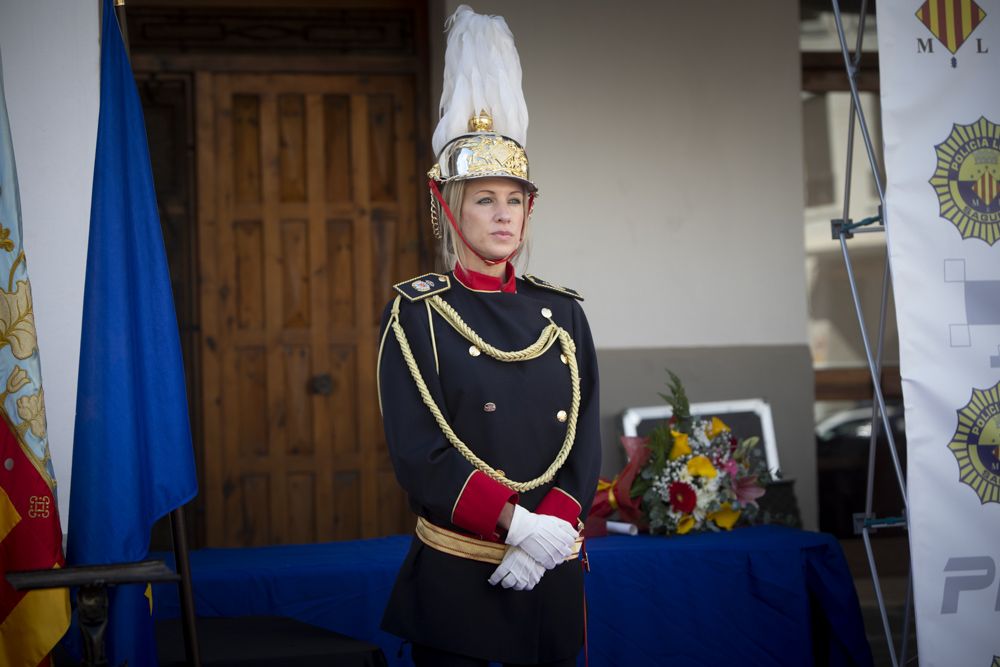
x: 432, y: 184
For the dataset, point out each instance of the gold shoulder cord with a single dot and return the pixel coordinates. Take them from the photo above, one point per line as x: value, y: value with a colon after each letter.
x: 548, y: 337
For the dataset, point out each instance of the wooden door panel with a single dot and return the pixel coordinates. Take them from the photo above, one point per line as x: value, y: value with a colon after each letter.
x: 381, y: 141
x: 347, y: 498
x: 340, y: 269
x: 302, y: 507
x: 298, y: 371
x: 248, y: 247
x: 342, y: 406
x: 383, y: 254
x: 245, y: 112
x: 337, y: 148
x: 295, y: 279
x: 292, y: 147
x: 250, y: 388
x: 310, y: 219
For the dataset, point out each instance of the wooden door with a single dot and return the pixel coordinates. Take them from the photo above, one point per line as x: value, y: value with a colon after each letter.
x: 307, y: 216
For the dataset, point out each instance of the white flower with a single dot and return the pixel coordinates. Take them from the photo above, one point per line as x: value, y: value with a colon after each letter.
x: 708, y: 493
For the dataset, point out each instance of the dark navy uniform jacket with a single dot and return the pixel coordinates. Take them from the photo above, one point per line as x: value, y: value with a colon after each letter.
x: 513, y: 416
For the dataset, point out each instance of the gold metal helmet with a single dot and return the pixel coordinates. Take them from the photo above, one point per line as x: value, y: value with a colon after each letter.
x: 482, y: 153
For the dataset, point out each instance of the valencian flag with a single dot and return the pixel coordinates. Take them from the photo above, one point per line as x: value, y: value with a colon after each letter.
x: 132, y: 453
x: 30, y: 537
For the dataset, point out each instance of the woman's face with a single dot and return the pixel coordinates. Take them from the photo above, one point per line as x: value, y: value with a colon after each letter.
x: 492, y: 216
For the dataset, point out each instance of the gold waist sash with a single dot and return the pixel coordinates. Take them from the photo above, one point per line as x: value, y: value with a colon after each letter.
x: 465, y: 546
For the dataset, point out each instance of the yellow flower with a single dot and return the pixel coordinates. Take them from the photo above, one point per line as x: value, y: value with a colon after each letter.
x: 726, y: 517
x: 17, y: 379
x: 716, y: 427
x: 5, y: 242
x: 31, y: 409
x: 700, y: 466
x: 685, y: 524
x: 681, y: 446
x: 17, y: 321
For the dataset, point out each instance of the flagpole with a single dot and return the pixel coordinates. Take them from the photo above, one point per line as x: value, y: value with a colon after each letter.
x: 177, y: 528
x: 123, y: 26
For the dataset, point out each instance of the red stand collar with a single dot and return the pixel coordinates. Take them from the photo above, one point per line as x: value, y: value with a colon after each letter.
x: 484, y: 283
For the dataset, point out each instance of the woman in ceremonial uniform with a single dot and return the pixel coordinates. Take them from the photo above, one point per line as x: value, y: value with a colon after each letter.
x: 489, y: 395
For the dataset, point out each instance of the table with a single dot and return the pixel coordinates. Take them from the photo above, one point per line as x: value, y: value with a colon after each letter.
x: 765, y: 595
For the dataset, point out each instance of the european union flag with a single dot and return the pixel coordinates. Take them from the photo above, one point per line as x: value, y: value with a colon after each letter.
x: 132, y: 454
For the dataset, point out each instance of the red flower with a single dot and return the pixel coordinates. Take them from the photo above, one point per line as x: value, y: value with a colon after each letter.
x: 683, y: 497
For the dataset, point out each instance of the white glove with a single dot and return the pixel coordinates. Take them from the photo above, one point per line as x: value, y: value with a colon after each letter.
x: 517, y: 570
x: 547, y: 539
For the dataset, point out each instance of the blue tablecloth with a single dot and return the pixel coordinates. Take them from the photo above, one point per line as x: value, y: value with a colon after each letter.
x: 757, y: 596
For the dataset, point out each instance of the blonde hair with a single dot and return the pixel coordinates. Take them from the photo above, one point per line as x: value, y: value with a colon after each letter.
x: 453, y: 194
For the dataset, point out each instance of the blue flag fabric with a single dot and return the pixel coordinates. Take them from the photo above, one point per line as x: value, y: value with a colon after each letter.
x: 133, y: 460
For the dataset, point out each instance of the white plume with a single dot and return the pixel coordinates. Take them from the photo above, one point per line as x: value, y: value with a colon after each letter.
x: 481, y: 71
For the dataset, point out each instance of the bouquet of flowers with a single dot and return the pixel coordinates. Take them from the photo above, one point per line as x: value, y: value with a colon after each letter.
x: 689, y: 474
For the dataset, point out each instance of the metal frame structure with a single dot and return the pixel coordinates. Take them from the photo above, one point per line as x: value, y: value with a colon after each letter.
x: 866, y: 523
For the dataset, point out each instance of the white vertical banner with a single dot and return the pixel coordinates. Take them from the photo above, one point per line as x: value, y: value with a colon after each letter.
x: 940, y: 86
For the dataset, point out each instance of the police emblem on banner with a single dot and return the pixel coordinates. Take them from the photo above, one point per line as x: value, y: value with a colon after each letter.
x: 967, y: 179
x: 976, y: 443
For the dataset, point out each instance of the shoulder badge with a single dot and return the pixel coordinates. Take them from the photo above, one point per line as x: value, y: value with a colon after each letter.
x: 544, y: 284
x: 421, y: 287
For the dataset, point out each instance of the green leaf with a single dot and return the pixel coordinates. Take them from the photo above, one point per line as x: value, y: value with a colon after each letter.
x: 744, y: 448
x: 640, y: 486
x: 678, y: 401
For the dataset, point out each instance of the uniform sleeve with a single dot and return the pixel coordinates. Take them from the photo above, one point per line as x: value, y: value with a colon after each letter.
x: 576, y: 482
x: 437, y: 478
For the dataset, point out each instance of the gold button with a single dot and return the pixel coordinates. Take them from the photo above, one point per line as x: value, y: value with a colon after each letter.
x: 546, y: 313
x: 562, y: 358
x: 490, y: 407
x: 474, y: 351
x: 561, y: 415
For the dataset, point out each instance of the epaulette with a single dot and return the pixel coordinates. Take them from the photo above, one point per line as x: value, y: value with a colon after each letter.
x: 423, y: 286
x: 544, y: 284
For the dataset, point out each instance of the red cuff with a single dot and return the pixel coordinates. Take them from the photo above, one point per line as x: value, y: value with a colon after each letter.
x: 479, y: 504
x: 559, y: 503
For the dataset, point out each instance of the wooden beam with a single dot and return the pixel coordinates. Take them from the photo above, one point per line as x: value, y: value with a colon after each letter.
x: 854, y: 384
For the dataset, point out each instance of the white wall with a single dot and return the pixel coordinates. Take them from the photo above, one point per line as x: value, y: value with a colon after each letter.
x: 51, y: 77
x: 666, y: 140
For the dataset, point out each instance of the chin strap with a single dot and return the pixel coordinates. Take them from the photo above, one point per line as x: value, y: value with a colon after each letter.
x: 432, y: 184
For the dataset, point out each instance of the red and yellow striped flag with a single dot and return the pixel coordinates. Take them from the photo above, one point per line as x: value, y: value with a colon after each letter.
x: 31, y: 623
